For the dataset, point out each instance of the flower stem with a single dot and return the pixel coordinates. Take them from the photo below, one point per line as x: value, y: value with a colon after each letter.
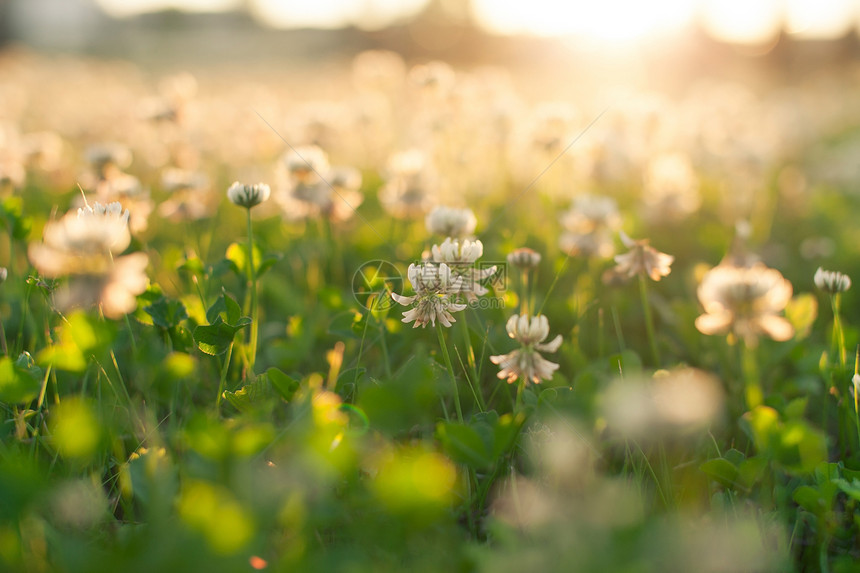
x: 473, y: 380
x: 252, y: 277
x: 753, y: 391
x: 838, y: 342
x: 649, y: 320
x: 855, y: 381
x: 224, y: 368
x: 450, y: 368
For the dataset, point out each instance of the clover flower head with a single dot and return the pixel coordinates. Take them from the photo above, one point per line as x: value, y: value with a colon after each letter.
x: 642, y: 259
x: 524, y: 258
x: 832, y: 282
x: 460, y: 256
x: 745, y: 301
x: 82, y: 245
x: 306, y: 164
x: 451, y: 222
x: 248, y: 195
x: 589, y: 226
x: 435, y: 287
x: 410, y: 177
x: 526, y: 362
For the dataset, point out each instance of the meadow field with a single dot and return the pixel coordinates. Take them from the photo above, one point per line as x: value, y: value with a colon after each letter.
x: 388, y: 315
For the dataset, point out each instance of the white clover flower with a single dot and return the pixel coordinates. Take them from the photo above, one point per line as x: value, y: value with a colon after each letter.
x: 451, y: 222
x: 81, y: 241
x: 526, y: 362
x: 745, y: 301
x: 434, y: 286
x: 306, y: 164
x: 524, y: 258
x: 460, y: 256
x: 115, y: 290
x: 83, y: 245
x: 248, y: 195
x: 409, y: 179
x: 589, y: 226
x: 4, y: 273
x: 335, y: 193
x: 832, y: 282
x: 642, y: 259
x: 109, y: 154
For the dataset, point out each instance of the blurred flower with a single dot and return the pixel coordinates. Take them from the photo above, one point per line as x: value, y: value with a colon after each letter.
x: 525, y: 362
x: 524, y: 258
x: 667, y: 403
x: 642, y: 259
x: 42, y: 149
x: 378, y: 69
x: 460, y: 256
x: 589, y: 226
x: 105, y: 157
x: 4, y: 273
x: 745, y: 301
x: 190, y: 195
x: 312, y: 187
x: 831, y: 282
x: 306, y: 164
x: 434, y: 78
x: 450, y: 222
x: 406, y: 193
x: 670, y: 188
x: 83, y: 245
x: 248, y: 196
x: 434, y: 287
x: 115, y: 289
x: 80, y: 240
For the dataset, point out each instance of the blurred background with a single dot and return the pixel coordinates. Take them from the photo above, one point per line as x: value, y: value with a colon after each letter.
x: 662, y: 41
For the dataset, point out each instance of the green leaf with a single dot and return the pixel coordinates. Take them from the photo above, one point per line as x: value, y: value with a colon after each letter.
x: 234, y: 311
x: 181, y: 338
x: 79, y: 338
x: 250, y: 396
x: 463, y: 444
x: 720, y: 470
x: 796, y: 408
x: 827, y: 472
x: 283, y: 384
x: 215, y: 339
x: 734, y: 456
x: 20, y: 381
x: 166, y: 313
x: 809, y: 499
x: 801, y: 311
x: 505, y: 433
x: 851, y: 488
x: 225, y: 309
x: 751, y: 471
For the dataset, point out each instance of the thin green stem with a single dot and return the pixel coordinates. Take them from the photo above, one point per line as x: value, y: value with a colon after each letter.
x: 224, y: 368
x: 472, y: 375
x: 252, y: 277
x: 444, y: 346
x: 753, y: 390
x: 838, y: 334
x: 649, y: 320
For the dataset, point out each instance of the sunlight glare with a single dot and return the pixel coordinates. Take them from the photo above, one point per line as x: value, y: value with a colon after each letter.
x: 742, y: 21
x: 820, y: 18
x: 611, y: 20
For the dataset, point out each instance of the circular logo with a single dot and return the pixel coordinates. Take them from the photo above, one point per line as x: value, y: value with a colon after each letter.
x: 373, y: 283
